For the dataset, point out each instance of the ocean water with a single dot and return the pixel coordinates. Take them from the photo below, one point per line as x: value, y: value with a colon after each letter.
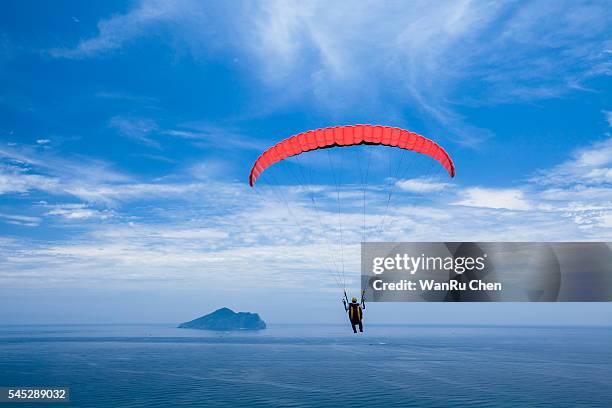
x: 302, y: 366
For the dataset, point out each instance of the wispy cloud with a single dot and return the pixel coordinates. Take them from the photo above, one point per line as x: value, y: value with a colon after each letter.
x: 215, y: 137
x: 139, y: 129
x: 258, y: 243
x: 588, y: 166
x: 117, y: 30
x: 218, y: 231
x: 77, y: 212
x: 113, y: 194
x: 421, y: 185
x: 116, y: 95
x: 94, y: 182
x: 498, y: 198
x: 147, y: 131
x: 24, y: 170
x: 424, y: 55
x: 579, y: 189
x: 14, y: 180
x: 17, y: 219
x: 435, y: 52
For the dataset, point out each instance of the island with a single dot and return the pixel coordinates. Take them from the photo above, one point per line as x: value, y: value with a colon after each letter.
x: 226, y: 319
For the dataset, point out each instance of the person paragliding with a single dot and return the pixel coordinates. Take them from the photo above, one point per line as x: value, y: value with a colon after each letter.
x: 355, y: 183
x: 355, y: 311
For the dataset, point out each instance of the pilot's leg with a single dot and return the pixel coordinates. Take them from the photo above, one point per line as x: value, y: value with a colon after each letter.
x: 360, y: 327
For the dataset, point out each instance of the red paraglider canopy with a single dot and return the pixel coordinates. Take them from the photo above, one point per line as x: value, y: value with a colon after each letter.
x: 350, y: 136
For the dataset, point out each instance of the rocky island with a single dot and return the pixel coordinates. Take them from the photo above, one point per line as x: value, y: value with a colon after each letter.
x: 225, y: 319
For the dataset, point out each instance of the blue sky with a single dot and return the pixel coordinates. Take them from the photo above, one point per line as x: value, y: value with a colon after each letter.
x: 127, y: 131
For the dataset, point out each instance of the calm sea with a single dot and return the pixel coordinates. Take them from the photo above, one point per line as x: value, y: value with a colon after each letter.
x: 298, y: 366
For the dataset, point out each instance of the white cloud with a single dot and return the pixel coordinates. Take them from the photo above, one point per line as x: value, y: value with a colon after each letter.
x: 606, y: 220
x: 591, y: 165
x: 206, y: 136
x: 22, y: 159
x: 90, y: 180
x: 43, y: 141
x: 427, y: 52
x: 18, y: 182
x: 258, y: 243
x: 139, y: 129
x: 499, y: 198
x: 185, y: 229
x: 25, y: 220
x: 77, y: 212
x: 598, y: 155
x: 24, y: 171
x: 215, y: 137
x: 431, y: 49
x: 421, y: 185
x: 115, y: 31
